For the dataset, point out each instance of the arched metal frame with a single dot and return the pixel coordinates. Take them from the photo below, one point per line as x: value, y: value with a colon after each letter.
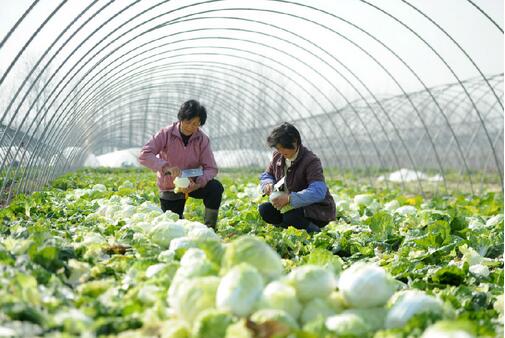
x: 110, y: 76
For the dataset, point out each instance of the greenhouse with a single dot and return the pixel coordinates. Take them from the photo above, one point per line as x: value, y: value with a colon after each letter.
x: 139, y: 140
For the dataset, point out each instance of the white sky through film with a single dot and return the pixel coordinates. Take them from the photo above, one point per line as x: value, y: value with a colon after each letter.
x: 478, y: 37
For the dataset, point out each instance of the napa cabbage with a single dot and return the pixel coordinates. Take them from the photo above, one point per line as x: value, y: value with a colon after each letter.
x: 252, y: 250
x: 239, y: 290
x: 365, y: 285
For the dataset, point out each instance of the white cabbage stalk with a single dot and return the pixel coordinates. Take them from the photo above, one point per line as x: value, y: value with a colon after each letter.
x: 311, y: 281
x: 239, y: 290
x: 366, y: 285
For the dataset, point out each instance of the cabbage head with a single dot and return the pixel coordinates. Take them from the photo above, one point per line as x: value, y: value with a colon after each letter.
x: 366, y: 285
x: 315, y: 309
x: 374, y: 317
x: 409, y: 303
x: 277, y: 295
x: 252, y: 250
x: 274, y: 315
x: 181, y: 244
x: 194, y: 296
x: 164, y: 232
x: 203, y: 234
x: 347, y: 324
x: 193, y: 264
x: 239, y: 290
x: 311, y: 281
x: 449, y: 329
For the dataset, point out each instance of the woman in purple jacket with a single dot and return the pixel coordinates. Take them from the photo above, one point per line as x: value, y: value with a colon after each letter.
x: 180, y: 146
x: 297, y: 172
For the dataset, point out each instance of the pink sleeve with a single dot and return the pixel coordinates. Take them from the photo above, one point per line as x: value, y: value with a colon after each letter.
x: 152, y: 148
x: 207, y: 162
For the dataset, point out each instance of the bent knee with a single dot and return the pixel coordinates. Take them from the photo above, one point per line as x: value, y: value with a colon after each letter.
x: 216, y: 186
x: 264, y: 209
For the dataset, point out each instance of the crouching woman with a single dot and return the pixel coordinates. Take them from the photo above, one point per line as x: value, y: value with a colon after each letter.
x: 305, y: 201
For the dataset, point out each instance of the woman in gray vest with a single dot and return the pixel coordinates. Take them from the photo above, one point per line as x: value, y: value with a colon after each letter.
x: 295, y: 182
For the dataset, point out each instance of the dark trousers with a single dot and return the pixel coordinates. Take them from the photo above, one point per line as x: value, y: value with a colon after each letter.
x: 294, y: 217
x: 211, y: 194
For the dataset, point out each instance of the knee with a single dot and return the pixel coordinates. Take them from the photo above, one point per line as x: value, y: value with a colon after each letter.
x: 216, y: 187
x: 264, y: 210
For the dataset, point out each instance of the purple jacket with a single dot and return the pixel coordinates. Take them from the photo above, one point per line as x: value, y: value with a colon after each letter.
x: 167, y: 147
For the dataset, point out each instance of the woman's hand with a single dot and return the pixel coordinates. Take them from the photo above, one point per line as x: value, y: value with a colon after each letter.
x: 191, y: 187
x: 172, y: 171
x: 267, y: 188
x: 281, y: 201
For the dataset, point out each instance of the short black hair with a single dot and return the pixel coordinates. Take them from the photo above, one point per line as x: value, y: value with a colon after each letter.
x: 191, y: 109
x: 286, y: 135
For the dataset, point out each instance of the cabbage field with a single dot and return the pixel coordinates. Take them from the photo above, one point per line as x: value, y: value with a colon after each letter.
x: 94, y: 256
